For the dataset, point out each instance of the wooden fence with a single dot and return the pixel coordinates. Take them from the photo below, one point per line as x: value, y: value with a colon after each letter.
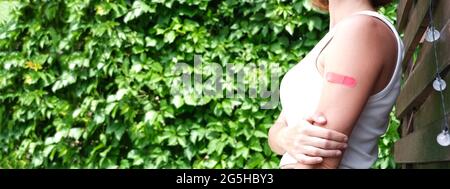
x: 419, y: 105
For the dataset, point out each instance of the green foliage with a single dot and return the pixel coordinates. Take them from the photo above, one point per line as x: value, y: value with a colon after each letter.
x: 386, y: 144
x: 86, y: 83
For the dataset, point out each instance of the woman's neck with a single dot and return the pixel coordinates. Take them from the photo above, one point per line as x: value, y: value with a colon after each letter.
x: 340, y: 9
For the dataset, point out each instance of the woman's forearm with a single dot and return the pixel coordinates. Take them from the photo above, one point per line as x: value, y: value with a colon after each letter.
x: 274, y: 133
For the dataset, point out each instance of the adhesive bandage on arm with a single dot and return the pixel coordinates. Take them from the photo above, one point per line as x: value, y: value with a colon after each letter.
x: 340, y: 79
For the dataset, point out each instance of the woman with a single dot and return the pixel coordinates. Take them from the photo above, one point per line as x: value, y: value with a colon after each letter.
x: 352, y: 78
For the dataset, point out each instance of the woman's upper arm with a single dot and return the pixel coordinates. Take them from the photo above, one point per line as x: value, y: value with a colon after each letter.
x: 356, y: 54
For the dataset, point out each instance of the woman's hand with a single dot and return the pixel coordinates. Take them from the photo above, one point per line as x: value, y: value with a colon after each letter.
x: 309, y: 143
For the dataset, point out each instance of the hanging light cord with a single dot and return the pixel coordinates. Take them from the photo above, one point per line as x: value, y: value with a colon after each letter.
x: 438, y: 75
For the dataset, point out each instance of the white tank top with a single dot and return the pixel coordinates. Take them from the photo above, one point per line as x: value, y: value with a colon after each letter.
x: 362, y: 150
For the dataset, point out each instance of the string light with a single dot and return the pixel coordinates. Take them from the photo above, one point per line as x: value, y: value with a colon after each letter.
x: 439, y: 84
x: 432, y: 36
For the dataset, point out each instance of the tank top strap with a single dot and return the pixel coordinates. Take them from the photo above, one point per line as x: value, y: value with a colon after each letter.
x: 332, y: 31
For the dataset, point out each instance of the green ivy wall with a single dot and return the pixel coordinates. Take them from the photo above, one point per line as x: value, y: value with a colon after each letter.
x: 86, y: 83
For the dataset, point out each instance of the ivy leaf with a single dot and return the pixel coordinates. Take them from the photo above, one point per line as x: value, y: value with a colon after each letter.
x: 120, y: 93
x: 65, y: 80
x: 189, y: 152
x: 117, y: 129
x: 227, y: 107
x: 37, y: 160
x: 150, y: 117
x: 75, y: 133
x: 99, y: 118
x: 255, y: 145
x: 76, y: 113
x: 47, y: 150
x: 177, y: 101
x: 78, y: 62
x: 260, y: 134
x: 314, y: 22
x: 137, y: 10
x: 169, y: 37
x: 149, y: 42
x: 290, y: 28
x: 119, y: 132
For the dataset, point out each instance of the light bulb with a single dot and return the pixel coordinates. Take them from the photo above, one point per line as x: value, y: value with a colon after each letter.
x: 443, y: 138
x: 429, y: 35
x: 439, y: 84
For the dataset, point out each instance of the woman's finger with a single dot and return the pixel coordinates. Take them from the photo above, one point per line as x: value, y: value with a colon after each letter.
x: 317, y: 152
x: 309, y: 119
x: 324, y: 143
x: 317, y: 119
x: 324, y: 133
x: 308, y: 160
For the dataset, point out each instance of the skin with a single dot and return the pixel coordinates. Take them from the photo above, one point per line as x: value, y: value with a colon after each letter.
x: 307, y: 144
x: 363, y: 48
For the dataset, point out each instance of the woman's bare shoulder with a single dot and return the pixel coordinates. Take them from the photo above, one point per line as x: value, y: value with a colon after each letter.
x: 365, y: 29
x: 366, y: 35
